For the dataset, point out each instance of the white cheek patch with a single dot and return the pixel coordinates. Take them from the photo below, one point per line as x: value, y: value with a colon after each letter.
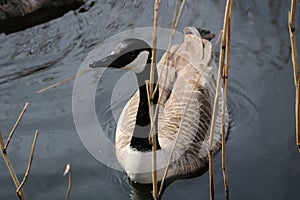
x: 139, y: 63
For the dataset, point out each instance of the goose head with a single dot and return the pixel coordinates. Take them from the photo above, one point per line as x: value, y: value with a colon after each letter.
x: 131, y: 54
x: 134, y: 55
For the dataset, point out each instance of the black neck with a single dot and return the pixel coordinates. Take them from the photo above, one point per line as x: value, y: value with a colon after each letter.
x: 140, y: 138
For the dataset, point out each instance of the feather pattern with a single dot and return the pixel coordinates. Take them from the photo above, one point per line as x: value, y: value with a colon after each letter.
x: 187, y: 83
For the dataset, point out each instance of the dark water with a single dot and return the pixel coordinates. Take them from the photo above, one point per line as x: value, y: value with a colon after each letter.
x: 263, y: 162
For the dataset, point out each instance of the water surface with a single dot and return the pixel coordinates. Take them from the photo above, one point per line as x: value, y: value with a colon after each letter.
x: 263, y: 161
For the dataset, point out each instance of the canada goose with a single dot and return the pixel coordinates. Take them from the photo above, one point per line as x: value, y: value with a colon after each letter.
x: 185, y: 107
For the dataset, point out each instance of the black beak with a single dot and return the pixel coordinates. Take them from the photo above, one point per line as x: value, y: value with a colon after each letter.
x: 206, y: 34
x: 105, y: 62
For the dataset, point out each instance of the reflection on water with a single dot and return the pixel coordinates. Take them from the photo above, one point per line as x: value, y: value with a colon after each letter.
x: 44, y: 14
x: 141, y: 192
x: 263, y: 162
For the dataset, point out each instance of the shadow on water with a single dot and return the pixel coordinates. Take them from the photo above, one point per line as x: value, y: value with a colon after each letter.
x: 42, y: 15
x: 144, y: 191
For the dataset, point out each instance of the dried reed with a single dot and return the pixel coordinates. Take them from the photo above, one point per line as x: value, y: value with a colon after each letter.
x: 175, y: 21
x: 222, y: 73
x: 29, y: 163
x: 169, y: 46
x: 224, y: 103
x: 68, y: 170
x: 19, y: 187
x: 11, y: 170
x: 292, y: 30
x: 150, y: 94
x: 15, y: 126
x: 63, y: 81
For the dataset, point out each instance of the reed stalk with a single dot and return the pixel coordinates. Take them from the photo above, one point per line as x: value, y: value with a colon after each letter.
x: 298, y: 114
x: 29, y: 163
x: 63, y: 81
x: 292, y: 30
x: 168, y: 49
x: 68, y: 170
x: 224, y: 103
x: 211, y: 176
x: 224, y: 107
x: 222, y: 73
x: 175, y: 21
x: 15, y: 125
x: 11, y: 170
x: 154, y: 45
x: 153, y: 143
x: 19, y: 187
x: 150, y: 94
